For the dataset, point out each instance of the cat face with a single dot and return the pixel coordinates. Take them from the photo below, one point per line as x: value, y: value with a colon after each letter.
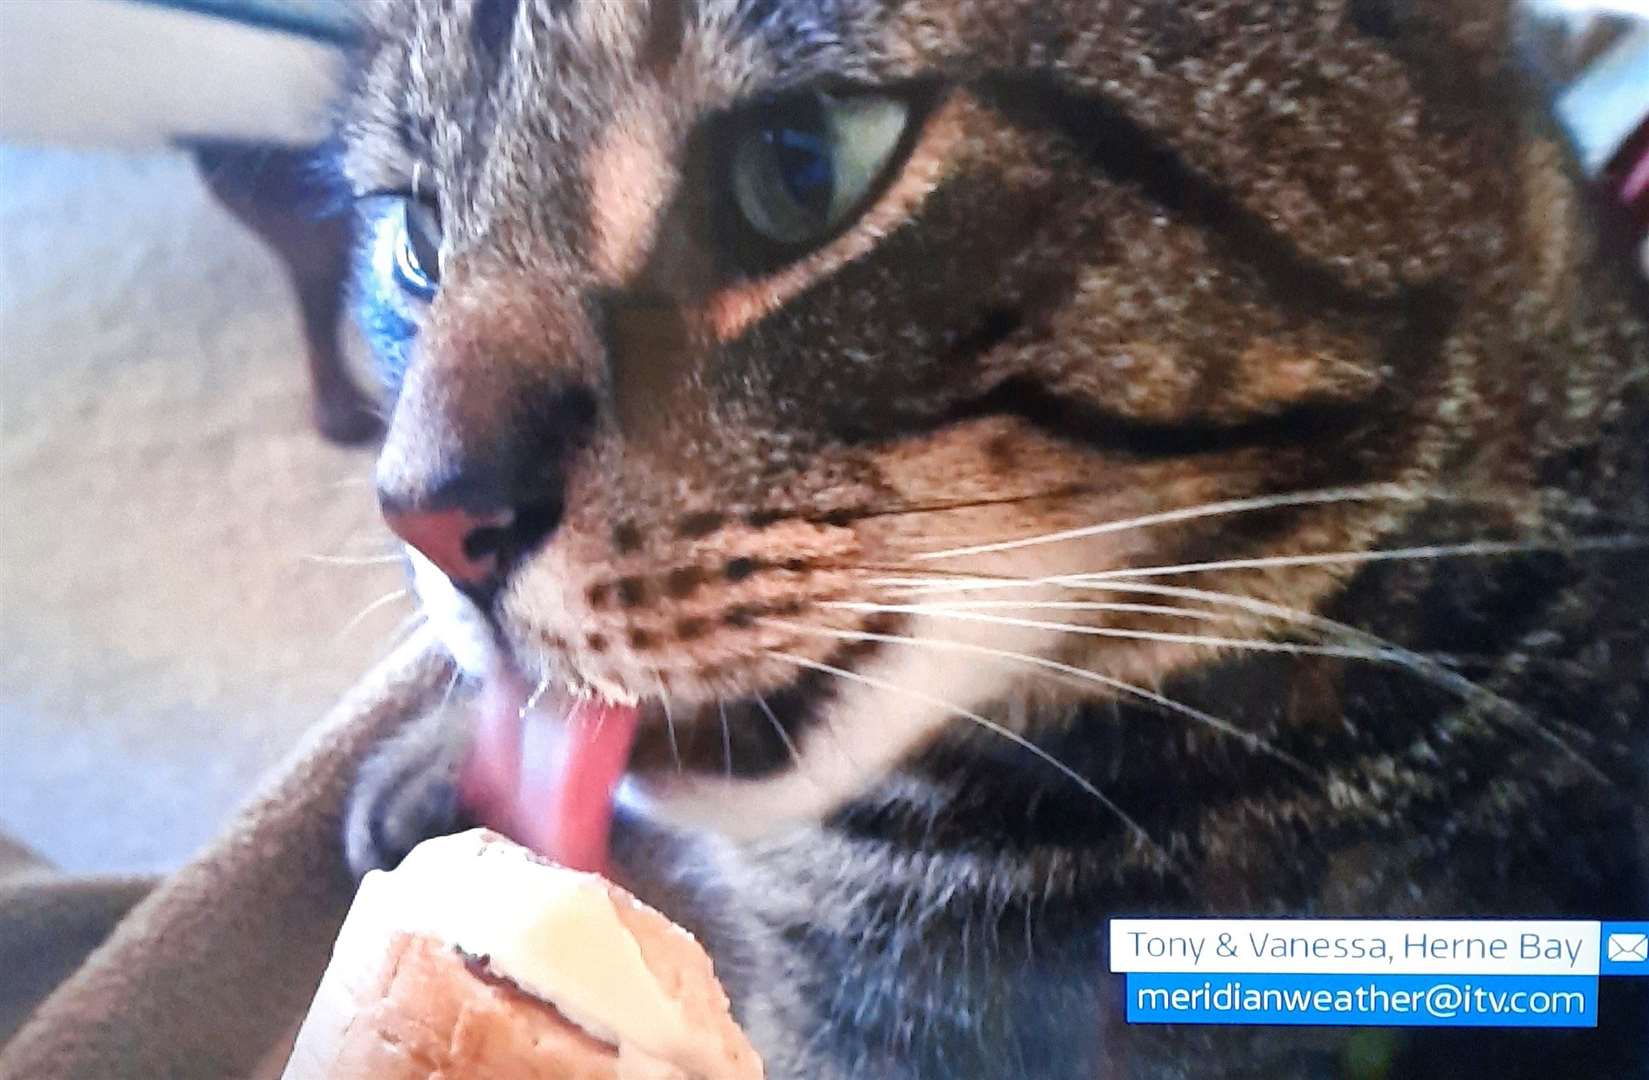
x: 827, y: 376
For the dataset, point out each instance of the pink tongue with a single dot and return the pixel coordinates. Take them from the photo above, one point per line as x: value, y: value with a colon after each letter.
x: 548, y: 784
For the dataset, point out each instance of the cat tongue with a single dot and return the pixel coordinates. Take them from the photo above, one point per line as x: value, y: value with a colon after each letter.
x: 545, y: 782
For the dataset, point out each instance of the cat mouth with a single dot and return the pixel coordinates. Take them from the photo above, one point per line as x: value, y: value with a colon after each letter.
x: 547, y: 767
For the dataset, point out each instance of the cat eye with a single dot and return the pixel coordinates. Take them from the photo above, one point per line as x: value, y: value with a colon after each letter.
x: 418, y: 247
x: 799, y: 168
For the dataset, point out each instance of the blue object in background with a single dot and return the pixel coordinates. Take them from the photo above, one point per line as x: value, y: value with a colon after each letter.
x: 324, y: 20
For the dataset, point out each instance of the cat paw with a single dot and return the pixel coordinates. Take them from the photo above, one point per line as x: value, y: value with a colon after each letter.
x: 405, y: 793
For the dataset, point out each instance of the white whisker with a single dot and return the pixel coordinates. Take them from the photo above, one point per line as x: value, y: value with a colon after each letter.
x: 784, y: 735
x: 1266, y: 611
x: 989, y: 725
x: 360, y: 616
x: 1335, y: 558
x: 669, y: 720
x: 1166, y: 636
x: 726, y: 739
x: 1262, y: 609
x: 452, y: 685
x: 353, y: 560
x: 405, y: 628
x: 1379, y: 649
x: 959, y: 583
x: 1249, y: 739
x: 1477, y: 548
x: 1432, y: 667
x: 533, y: 698
x: 1368, y: 493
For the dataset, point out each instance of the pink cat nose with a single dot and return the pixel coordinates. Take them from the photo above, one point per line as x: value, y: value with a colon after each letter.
x: 465, y: 546
x: 478, y: 492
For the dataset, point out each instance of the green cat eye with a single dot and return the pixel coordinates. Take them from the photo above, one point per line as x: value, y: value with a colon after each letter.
x: 799, y: 168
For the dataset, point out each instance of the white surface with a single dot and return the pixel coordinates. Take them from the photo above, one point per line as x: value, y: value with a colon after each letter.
x: 162, y: 637
x: 113, y: 72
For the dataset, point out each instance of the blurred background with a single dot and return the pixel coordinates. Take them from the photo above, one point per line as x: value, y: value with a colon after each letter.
x: 182, y: 554
x: 191, y: 564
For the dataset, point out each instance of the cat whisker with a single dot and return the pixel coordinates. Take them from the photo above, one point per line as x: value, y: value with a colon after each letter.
x: 1476, y: 548
x: 726, y: 740
x: 669, y: 720
x: 1323, y: 496
x: 452, y: 686
x: 1382, y: 492
x: 1468, y: 549
x: 784, y: 736
x: 1251, y: 740
x: 354, y: 560
x: 1507, y: 499
x: 364, y: 613
x: 1432, y: 668
x: 1133, y: 826
x: 946, y: 611
x: 537, y: 695
x: 405, y: 629
x: 1261, y: 609
x: 1376, y: 649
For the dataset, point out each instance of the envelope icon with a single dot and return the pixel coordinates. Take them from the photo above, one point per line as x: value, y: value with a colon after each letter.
x: 1628, y: 948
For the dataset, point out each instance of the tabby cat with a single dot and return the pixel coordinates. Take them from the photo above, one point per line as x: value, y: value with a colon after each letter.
x: 1031, y: 461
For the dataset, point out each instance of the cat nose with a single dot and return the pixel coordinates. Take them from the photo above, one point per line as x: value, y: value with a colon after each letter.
x: 473, y: 547
x: 495, y: 410
x: 477, y: 491
x: 464, y: 545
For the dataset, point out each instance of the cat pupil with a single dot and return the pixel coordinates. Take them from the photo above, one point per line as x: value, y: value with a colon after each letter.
x: 409, y: 258
x: 417, y: 260
x: 803, y: 159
